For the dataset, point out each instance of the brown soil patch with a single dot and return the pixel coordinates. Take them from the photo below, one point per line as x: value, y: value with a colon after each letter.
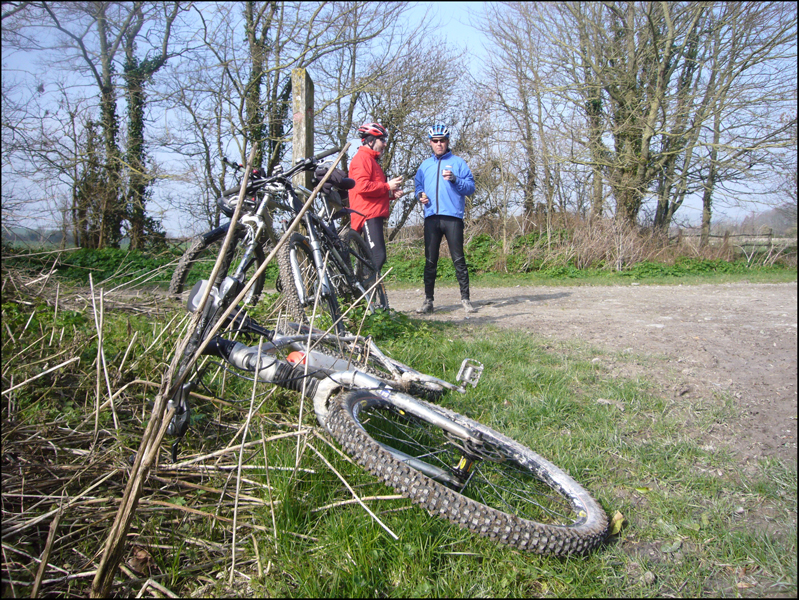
x: 696, y: 342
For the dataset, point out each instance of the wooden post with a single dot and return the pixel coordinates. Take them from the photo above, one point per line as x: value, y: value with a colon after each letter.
x: 302, y: 107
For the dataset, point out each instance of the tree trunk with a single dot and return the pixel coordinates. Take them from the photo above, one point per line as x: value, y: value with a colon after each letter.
x: 709, y: 184
x: 137, y: 178
x: 110, y: 210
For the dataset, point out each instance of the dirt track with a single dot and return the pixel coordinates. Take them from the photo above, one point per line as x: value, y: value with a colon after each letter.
x: 737, y: 339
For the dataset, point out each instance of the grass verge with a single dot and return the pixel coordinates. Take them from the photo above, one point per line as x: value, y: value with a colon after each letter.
x: 694, y: 524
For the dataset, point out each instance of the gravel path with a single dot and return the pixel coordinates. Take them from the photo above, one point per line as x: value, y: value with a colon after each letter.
x: 739, y: 339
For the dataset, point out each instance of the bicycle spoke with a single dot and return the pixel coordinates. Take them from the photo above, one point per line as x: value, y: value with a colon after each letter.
x: 496, y: 480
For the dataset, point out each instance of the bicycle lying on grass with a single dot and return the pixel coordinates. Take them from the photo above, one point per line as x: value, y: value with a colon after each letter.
x: 455, y: 467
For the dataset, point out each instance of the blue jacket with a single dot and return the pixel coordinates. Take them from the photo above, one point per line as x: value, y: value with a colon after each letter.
x: 446, y: 198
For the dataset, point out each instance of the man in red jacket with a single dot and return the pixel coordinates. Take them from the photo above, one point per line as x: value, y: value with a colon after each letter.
x: 372, y: 193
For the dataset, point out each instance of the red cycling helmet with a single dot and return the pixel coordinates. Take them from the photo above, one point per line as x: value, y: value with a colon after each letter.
x: 375, y: 129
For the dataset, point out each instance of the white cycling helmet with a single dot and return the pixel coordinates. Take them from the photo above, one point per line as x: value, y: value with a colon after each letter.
x: 438, y: 130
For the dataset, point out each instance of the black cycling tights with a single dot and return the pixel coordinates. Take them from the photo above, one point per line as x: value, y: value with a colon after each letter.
x: 435, y: 228
x: 373, y: 232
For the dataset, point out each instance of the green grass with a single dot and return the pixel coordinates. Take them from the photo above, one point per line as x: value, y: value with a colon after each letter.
x: 697, y: 523
x: 112, y: 267
x: 692, y: 529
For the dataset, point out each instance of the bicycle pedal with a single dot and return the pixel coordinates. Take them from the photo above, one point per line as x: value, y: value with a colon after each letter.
x: 470, y: 372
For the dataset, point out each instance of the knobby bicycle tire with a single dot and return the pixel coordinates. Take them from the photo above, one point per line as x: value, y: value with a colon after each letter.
x: 363, y: 266
x: 543, y: 510
x: 305, y: 272
x: 198, y: 261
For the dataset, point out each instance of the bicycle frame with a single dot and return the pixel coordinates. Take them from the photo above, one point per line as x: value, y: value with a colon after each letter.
x: 270, y: 369
x: 468, y: 374
x: 317, y: 230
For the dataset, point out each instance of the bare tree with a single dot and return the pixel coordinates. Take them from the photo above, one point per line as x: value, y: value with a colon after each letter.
x: 650, y: 83
x: 240, y: 92
x: 751, y: 46
x: 137, y: 73
x: 90, y: 41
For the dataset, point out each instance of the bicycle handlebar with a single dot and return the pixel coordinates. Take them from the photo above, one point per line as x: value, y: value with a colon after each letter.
x: 303, y: 164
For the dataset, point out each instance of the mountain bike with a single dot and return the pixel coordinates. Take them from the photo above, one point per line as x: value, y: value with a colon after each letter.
x: 328, y: 266
x: 343, y: 258
x: 262, y: 194
x: 455, y: 467
x: 249, y: 240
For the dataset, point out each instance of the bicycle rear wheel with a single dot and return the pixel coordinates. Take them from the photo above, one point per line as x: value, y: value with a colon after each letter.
x: 499, y: 489
x: 198, y: 262
x: 361, y: 264
x: 298, y: 273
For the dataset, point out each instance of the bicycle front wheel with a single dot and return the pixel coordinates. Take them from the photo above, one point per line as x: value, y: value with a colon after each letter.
x: 499, y: 488
x: 198, y: 262
x: 299, y: 282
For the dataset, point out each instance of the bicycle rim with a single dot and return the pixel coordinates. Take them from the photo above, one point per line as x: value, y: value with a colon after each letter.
x: 501, y: 489
x: 297, y: 269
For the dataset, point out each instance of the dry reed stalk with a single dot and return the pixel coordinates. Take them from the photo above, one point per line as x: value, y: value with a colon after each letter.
x: 11, y: 581
x: 99, y: 346
x: 46, y: 554
x: 209, y: 489
x: 157, y: 586
x: 194, y: 511
x: 119, y: 391
x: 33, y: 312
x: 105, y: 365
x: 155, y: 340
x: 11, y: 335
x: 55, y: 313
x: 55, y: 304
x: 258, y: 556
x: 227, y: 450
x: 209, y: 469
x: 156, y: 429
x: 352, y: 491
x: 335, y: 449
x: 125, y: 357
x: 241, y: 427
x: 55, y: 262
x: 114, y: 546
x: 48, y: 358
x: 241, y: 459
x: 9, y: 531
x: 33, y: 558
x: 354, y: 501
x: 307, y: 364
x: 269, y: 486
x: 42, y: 374
x: 128, y: 283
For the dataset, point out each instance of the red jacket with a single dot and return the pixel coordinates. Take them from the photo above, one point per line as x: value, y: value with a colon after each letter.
x: 370, y: 196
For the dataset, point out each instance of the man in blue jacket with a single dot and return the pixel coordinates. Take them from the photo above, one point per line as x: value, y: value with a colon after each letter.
x: 442, y: 183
